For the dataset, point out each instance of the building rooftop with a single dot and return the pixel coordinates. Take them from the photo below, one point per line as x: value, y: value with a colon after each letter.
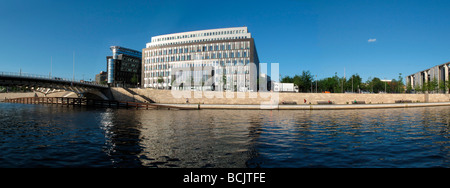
x: 126, y: 51
x: 199, y: 36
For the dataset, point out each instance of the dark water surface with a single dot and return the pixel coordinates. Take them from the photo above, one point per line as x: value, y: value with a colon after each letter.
x: 51, y: 136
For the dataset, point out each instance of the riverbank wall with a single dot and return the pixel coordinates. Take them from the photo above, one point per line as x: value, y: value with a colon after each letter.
x: 257, y: 98
x: 4, y: 96
x: 247, y: 98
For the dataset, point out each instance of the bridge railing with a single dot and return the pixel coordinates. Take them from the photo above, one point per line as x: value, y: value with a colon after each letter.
x: 43, y: 77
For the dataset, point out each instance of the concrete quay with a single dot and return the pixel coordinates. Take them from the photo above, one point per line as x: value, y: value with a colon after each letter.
x: 304, y: 107
x: 257, y: 98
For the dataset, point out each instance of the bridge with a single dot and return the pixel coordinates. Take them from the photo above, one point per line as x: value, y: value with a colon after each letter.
x: 45, y: 84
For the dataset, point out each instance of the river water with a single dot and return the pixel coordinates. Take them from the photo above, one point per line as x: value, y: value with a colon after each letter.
x: 55, y: 136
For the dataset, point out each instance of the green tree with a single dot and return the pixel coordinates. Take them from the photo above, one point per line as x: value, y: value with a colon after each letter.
x: 424, y: 87
x: 447, y: 84
x: 287, y: 79
x: 409, y: 88
x: 134, y: 79
x: 160, y: 80
x: 442, y: 86
x: 303, y: 81
x: 306, y: 80
x: 400, y: 84
x: 224, y: 81
x: 353, y: 83
x: 433, y: 85
x: 376, y: 85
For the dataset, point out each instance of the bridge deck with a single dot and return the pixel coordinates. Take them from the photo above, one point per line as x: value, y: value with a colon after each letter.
x: 12, y: 78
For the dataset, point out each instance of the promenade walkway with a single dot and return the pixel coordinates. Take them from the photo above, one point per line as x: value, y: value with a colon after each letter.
x: 306, y: 107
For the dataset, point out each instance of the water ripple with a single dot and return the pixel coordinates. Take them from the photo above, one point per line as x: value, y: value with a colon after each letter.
x: 50, y: 136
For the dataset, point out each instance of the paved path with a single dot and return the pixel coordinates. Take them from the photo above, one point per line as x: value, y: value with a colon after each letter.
x: 307, y: 107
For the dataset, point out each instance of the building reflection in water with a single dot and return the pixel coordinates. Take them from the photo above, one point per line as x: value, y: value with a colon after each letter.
x: 206, y: 138
x: 264, y: 138
x: 122, y: 137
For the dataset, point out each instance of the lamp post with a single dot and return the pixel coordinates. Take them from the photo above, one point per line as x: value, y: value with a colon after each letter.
x: 385, y: 83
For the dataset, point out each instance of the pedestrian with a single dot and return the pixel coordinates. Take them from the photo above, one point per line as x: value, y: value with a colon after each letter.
x: 187, y: 100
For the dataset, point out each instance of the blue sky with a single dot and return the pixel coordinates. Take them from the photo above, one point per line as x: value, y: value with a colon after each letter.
x: 373, y: 38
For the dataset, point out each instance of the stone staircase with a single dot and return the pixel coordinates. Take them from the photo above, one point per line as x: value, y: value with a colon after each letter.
x: 125, y: 94
x: 140, y: 97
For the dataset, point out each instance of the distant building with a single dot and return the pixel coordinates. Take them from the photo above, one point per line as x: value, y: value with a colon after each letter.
x: 214, y: 59
x: 440, y: 73
x: 124, y: 67
x: 265, y: 82
x: 101, y: 78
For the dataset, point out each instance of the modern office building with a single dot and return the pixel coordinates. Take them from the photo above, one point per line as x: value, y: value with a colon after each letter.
x: 440, y: 73
x: 214, y: 59
x: 124, y: 67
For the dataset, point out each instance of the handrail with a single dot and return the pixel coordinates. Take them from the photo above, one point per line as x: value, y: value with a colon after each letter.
x: 43, y: 77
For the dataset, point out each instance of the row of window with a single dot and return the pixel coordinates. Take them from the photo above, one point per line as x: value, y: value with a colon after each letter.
x: 199, y: 77
x: 219, y: 55
x: 198, y: 48
x: 223, y: 63
x: 199, y: 40
x: 132, y: 53
x: 205, y: 34
x: 224, y: 71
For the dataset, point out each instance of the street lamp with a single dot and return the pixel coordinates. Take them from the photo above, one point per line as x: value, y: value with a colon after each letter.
x: 385, y: 82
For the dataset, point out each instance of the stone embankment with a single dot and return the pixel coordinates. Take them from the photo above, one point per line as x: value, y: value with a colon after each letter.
x: 263, y: 100
x: 257, y: 98
x: 33, y: 94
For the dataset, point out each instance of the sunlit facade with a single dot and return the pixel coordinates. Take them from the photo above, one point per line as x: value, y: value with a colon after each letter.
x: 215, y: 59
x: 440, y: 73
x: 124, y: 67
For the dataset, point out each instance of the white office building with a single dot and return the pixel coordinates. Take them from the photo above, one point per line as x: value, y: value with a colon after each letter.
x: 440, y: 73
x: 214, y: 59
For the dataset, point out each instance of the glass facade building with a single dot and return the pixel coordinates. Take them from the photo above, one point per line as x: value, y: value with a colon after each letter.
x: 124, y: 67
x: 215, y: 59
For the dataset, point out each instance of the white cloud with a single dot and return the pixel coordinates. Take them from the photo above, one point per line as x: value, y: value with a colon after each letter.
x: 372, y: 40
